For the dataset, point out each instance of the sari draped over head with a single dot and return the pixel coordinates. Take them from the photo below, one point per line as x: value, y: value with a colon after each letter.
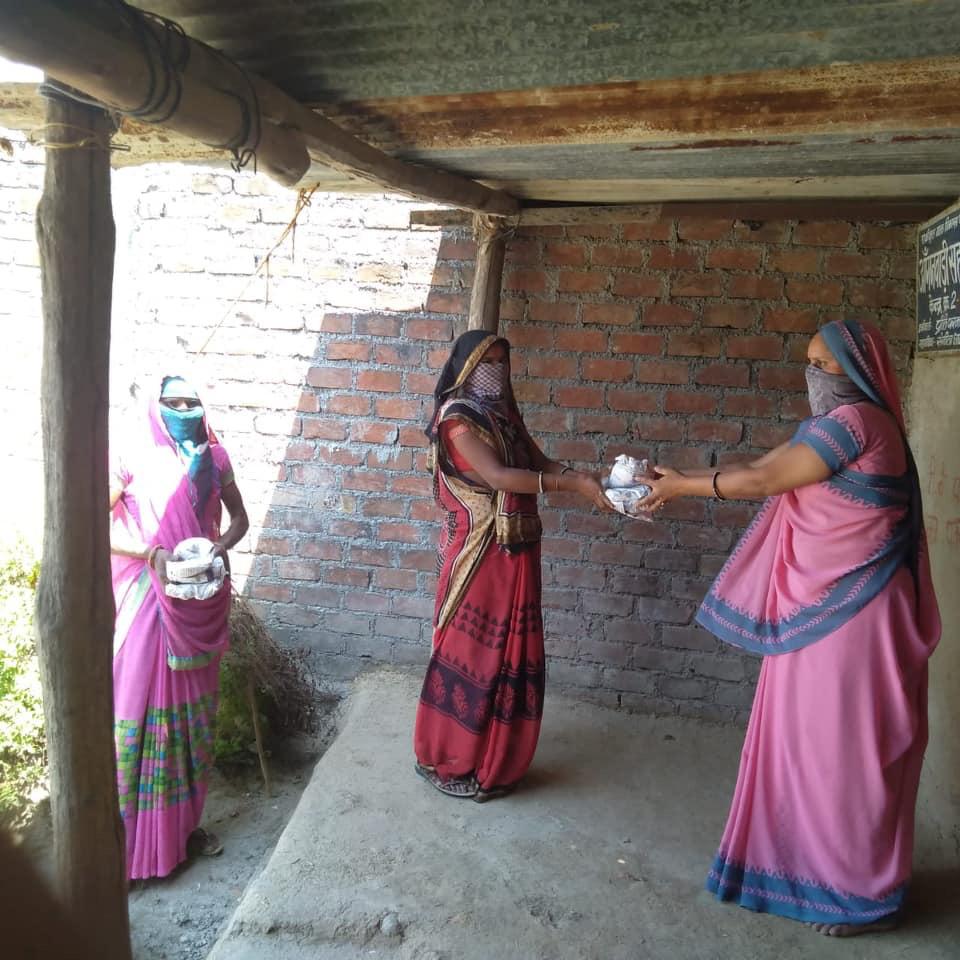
x: 482, y: 699
x: 828, y: 571
x: 509, y: 519
x: 831, y: 582
x: 166, y: 650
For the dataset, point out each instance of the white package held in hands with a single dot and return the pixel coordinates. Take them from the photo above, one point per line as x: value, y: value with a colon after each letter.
x: 193, y: 572
x: 623, y: 492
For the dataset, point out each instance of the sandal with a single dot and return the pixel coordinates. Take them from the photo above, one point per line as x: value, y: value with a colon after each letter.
x: 494, y: 793
x: 202, y: 843
x: 460, y: 787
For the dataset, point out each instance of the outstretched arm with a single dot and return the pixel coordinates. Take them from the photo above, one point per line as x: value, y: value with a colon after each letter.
x: 490, y: 470
x: 786, y: 468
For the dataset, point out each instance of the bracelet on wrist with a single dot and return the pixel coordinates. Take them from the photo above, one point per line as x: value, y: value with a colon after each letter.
x: 152, y: 555
x: 716, y: 489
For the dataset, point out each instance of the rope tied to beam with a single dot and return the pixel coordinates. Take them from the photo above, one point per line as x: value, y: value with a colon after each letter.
x: 304, y: 198
x: 166, y: 52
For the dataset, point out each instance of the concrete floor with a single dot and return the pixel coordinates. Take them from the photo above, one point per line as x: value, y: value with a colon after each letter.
x: 601, y: 855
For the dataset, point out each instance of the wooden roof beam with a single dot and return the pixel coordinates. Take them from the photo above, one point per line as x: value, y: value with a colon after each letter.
x: 905, y: 211
x: 95, y: 49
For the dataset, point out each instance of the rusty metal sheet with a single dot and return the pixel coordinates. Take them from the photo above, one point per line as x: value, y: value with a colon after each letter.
x: 336, y: 50
x: 864, y: 99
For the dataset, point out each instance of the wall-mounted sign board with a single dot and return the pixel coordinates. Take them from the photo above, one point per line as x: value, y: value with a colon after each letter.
x: 938, y: 283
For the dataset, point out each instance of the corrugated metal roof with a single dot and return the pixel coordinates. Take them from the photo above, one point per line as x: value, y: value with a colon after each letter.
x: 603, y: 101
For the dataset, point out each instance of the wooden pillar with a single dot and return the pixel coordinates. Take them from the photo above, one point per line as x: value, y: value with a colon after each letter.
x: 75, y: 610
x: 491, y: 235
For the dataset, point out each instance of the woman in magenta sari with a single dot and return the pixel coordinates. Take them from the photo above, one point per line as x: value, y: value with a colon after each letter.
x: 478, y: 720
x: 831, y: 584
x: 167, y: 486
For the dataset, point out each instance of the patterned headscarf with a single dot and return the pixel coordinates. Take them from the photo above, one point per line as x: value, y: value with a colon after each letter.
x: 860, y: 349
x: 466, y: 354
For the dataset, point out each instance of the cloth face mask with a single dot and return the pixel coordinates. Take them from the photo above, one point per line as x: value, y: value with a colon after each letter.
x: 827, y: 391
x: 488, y: 382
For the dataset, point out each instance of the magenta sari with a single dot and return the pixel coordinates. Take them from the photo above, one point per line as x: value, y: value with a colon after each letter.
x: 831, y: 583
x: 166, y: 656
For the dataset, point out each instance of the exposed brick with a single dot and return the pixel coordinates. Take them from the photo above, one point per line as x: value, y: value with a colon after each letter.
x: 750, y: 287
x: 348, y: 404
x: 662, y: 371
x: 616, y: 371
x: 588, y: 397
x: 636, y: 285
x: 668, y: 315
x: 374, y: 326
x: 398, y: 408
x: 748, y: 405
x: 317, y: 429
x: 378, y: 380
x: 446, y: 302
x: 715, y: 431
x: 668, y: 258
x: 582, y: 281
x: 723, y: 375
x: 576, y: 450
x: 688, y: 638
x: 429, y: 329
x: 781, y: 378
x: 696, y: 228
x: 756, y: 231
x: 876, y: 237
x: 347, y: 350
x: 854, y: 264
x: 734, y: 258
x: 654, y: 230
x: 398, y: 355
x: 642, y: 343
x: 634, y: 401
x: 755, y: 348
x: 336, y: 377
x: 561, y: 368
x: 790, y: 320
x: 696, y: 285
x: 686, y: 402
x: 871, y: 293
x: 544, y: 311
x: 814, y: 291
x: 529, y: 280
x: 828, y: 234
x: 582, y: 341
x: 373, y: 432
x: 793, y: 261
x: 521, y: 335
x: 609, y: 313
x: 561, y: 254
x: 456, y: 248
x: 694, y: 345
x: 619, y: 256
x: 737, y: 315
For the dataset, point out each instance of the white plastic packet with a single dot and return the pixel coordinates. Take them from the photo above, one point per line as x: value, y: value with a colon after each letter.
x: 622, y: 492
x: 193, y: 572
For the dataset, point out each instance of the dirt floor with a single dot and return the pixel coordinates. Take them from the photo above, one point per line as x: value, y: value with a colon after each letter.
x: 181, y: 916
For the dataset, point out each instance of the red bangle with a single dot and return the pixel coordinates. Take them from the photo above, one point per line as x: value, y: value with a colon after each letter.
x: 716, y: 490
x: 152, y: 554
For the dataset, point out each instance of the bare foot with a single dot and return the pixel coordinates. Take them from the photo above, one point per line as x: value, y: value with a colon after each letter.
x: 854, y: 929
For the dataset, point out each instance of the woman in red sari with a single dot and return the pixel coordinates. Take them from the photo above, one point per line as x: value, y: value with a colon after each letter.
x: 479, y: 714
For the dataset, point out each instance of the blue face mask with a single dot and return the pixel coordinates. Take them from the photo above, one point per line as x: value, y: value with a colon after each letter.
x: 184, y: 426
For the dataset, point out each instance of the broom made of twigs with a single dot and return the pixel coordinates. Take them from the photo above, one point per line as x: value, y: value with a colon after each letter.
x: 280, y: 674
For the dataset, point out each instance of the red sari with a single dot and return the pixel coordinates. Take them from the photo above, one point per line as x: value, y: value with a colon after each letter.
x: 482, y: 700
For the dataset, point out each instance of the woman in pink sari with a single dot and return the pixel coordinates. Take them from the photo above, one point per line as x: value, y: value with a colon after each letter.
x: 831, y: 584
x: 167, y: 486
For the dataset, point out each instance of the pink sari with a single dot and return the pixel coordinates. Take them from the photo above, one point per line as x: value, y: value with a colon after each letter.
x: 826, y: 585
x: 166, y: 657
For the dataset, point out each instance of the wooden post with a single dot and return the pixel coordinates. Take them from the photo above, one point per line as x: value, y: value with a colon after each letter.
x: 75, y: 609
x: 491, y: 233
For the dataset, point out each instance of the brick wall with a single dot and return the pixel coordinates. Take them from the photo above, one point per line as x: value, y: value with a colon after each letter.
x: 680, y: 341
